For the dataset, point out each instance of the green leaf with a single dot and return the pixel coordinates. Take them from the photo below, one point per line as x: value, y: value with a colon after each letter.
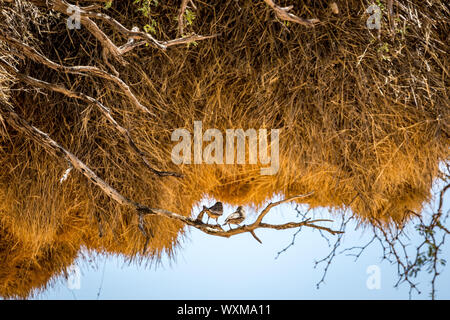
x: 190, y: 16
x: 151, y: 28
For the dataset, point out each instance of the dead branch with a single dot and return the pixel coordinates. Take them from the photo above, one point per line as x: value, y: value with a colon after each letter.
x: 333, y: 252
x: 140, y: 35
x: 187, y: 39
x: 85, y: 19
x: 398, y: 250
x: 181, y: 17
x: 80, y: 70
x: 216, y: 230
x: 284, y: 14
x: 103, y: 109
x: 390, y: 8
x: 52, y: 147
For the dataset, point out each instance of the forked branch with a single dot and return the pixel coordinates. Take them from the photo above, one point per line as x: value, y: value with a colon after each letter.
x: 181, y: 16
x: 86, y: 19
x: 103, y: 109
x: 284, y: 14
x: 33, y: 54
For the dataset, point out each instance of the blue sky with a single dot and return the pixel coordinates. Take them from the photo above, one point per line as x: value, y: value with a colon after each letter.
x: 208, y: 267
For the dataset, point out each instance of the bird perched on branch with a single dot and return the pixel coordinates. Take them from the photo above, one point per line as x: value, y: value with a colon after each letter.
x: 214, y: 212
x: 236, y: 217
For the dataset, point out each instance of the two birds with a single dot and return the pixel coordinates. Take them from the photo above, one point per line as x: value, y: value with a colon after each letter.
x: 216, y: 211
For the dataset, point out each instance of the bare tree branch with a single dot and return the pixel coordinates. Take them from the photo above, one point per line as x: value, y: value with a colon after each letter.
x: 284, y: 14
x: 390, y: 8
x: 187, y: 39
x: 181, y: 17
x: 409, y: 258
x: 105, y: 111
x: 80, y: 70
x: 57, y: 150
x: 85, y: 16
x: 332, y: 254
x: 217, y: 230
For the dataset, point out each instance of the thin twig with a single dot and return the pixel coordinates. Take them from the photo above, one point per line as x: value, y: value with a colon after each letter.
x: 181, y: 17
x: 284, y: 14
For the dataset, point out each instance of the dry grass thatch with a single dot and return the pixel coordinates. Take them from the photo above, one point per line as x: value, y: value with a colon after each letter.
x: 364, y: 119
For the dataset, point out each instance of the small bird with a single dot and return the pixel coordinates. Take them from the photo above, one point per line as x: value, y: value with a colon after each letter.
x: 215, y: 211
x: 236, y: 217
